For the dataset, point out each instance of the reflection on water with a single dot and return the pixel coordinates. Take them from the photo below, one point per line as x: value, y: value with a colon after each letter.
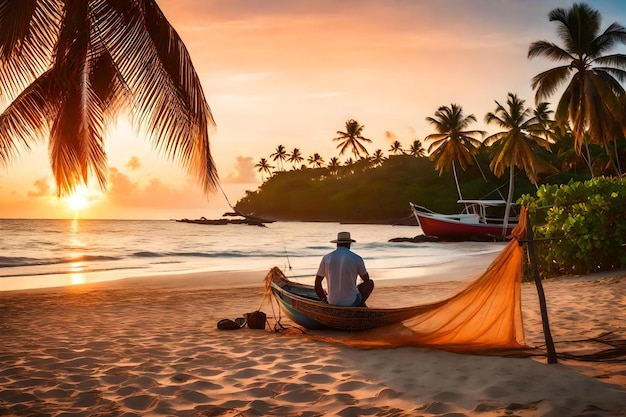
x: 76, y: 268
x: 77, y: 278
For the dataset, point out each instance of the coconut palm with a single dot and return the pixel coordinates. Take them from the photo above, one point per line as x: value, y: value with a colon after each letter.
x: 279, y: 155
x: 295, y: 157
x: 591, y: 101
x: 452, y: 143
x: 417, y: 149
x: 517, y: 144
x: 68, y: 68
x: 334, y: 164
x: 264, y: 167
x: 316, y: 160
x: 378, y: 157
x: 352, y: 138
x: 396, y: 148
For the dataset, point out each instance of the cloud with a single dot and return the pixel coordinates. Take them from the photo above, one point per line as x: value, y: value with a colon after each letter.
x: 133, y: 163
x: 244, y: 171
x: 42, y: 188
x: 155, y: 195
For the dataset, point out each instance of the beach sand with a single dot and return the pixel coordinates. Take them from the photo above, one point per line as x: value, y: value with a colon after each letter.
x: 150, y: 347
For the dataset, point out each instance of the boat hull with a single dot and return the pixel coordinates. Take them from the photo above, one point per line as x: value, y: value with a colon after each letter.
x: 300, y: 303
x: 465, y: 225
x: 442, y: 227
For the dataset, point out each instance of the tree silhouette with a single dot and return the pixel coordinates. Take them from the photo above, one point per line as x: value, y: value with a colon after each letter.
x: 279, y: 155
x: 264, y: 168
x: 396, y: 148
x: 316, y: 160
x: 452, y: 143
x: 417, y: 149
x: 378, y: 157
x: 352, y: 138
x: 295, y: 157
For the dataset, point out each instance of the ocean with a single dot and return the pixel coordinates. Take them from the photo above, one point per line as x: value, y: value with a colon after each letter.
x: 42, y: 253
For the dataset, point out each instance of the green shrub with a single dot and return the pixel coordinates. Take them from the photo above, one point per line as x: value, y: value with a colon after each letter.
x: 589, y: 221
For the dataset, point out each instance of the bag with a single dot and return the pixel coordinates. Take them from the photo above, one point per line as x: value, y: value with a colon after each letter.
x: 227, y: 324
x: 256, y: 319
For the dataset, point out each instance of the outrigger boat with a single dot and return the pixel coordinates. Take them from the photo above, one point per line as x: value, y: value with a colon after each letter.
x: 303, y: 307
x: 474, y: 221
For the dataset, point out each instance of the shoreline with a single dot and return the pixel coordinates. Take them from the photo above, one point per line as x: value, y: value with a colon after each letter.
x: 149, y: 346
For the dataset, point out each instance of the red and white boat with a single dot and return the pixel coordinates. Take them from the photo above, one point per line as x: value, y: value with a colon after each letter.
x: 473, y: 222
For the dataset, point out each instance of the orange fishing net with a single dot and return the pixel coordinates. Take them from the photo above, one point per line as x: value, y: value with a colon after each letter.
x: 486, y: 315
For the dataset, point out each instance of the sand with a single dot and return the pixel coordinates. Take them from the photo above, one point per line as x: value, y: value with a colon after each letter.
x: 150, y: 347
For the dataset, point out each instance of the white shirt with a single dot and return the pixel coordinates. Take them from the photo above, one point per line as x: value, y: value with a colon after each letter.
x: 341, y: 268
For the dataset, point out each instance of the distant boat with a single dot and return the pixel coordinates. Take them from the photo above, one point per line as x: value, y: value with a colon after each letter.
x: 473, y: 222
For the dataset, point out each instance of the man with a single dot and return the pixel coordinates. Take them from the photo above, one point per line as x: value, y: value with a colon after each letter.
x: 340, y: 268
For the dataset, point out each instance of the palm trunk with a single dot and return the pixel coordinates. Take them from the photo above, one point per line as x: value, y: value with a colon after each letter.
x: 456, y: 181
x: 614, y: 158
x: 588, y: 159
x: 509, y: 200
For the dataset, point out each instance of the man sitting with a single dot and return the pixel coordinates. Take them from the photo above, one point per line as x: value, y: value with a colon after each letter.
x: 341, y: 268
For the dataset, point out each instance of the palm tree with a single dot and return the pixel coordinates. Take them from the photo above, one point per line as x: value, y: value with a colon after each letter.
x: 334, y: 164
x: 295, y: 157
x: 593, y: 100
x: 396, y: 148
x: 68, y: 68
x: 264, y: 167
x: 279, y: 155
x: 378, y: 157
x: 452, y: 143
x: 517, y: 144
x: 316, y: 160
x: 352, y: 138
x: 417, y: 149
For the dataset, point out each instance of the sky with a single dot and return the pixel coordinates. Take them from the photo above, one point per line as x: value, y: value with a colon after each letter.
x: 291, y: 73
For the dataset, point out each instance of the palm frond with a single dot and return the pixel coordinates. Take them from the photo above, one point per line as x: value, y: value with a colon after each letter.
x: 28, y: 31
x: 25, y: 120
x: 548, y: 82
x: 548, y: 50
x: 169, y: 101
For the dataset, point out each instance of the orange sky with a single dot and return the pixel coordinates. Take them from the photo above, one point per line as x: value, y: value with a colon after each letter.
x: 292, y: 72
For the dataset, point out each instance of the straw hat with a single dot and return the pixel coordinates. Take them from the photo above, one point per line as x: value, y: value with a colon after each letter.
x: 343, y: 237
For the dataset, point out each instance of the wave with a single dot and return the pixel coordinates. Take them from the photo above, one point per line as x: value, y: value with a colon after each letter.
x: 8, y: 262
x: 225, y: 254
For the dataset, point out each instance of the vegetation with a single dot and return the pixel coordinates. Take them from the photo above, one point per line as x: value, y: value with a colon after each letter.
x: 69, y: 68
x: 593, y: 101
x: 518, y: 143
x: 453, y: 143
x: 586, y: 220
x: 363, y: 192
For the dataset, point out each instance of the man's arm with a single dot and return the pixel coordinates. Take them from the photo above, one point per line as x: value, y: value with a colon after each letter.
x: 318, y: 287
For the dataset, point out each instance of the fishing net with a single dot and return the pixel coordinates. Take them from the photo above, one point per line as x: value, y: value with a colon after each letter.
x: 486, y: 315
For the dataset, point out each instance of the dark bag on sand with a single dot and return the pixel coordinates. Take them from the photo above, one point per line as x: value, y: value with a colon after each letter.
x: 227, y: 324
x: 256, y: 319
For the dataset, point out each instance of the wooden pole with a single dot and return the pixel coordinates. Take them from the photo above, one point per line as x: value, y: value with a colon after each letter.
x: 542, y: 297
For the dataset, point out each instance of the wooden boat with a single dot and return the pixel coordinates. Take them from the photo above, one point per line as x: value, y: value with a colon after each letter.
x: 302, y: 305
x: 473, y: 222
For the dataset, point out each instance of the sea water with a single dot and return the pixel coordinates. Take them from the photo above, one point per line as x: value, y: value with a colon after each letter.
x: 42, y: 253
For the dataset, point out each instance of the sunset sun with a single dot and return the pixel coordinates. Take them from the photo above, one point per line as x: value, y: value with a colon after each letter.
x: 77, y: 201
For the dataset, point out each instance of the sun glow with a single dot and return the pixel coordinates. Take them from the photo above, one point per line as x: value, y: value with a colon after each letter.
x: 77, y: 201
x: 80, y: 200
